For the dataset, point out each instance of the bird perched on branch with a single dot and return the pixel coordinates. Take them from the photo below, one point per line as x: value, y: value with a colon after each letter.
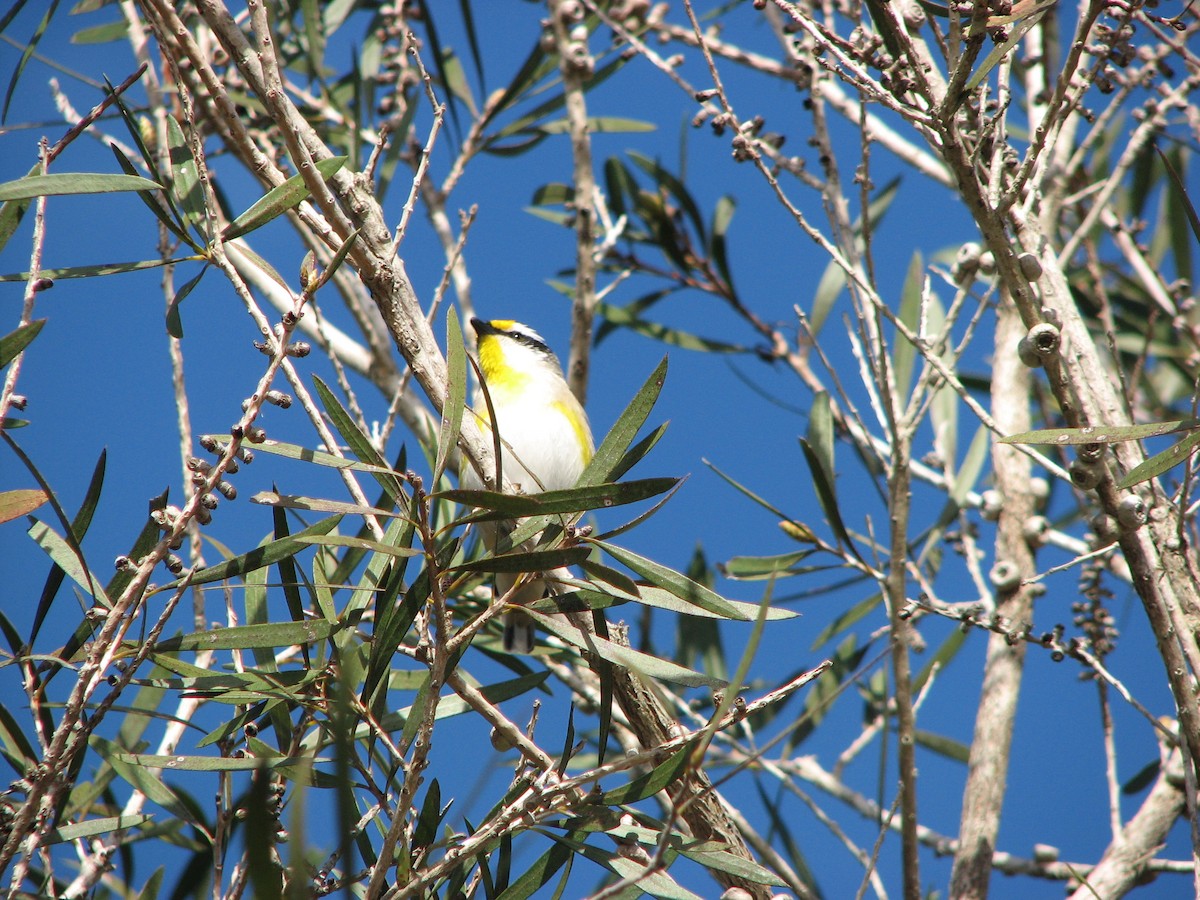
x: 546, y: 442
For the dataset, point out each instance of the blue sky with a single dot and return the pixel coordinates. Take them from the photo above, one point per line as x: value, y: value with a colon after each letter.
x: 98, y: 378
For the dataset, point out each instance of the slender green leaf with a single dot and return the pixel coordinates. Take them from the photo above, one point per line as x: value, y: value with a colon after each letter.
x: 456, y: 393
x: 673, y: 582
x: 102, y: 34
x: 1161, y: 462
x: 317, y: 504
x: 213, y: 763
x: 1101, y: 434
x: 674, y: 187
x: 580, y: 499
x: 904, y: 353
x: 13, y: 211
x: 818, y: 453
x: 174, y: 322
x: 64, y: 183
x: 532, y: 561
x: 279, y: 200
x: 96, y: 271
x: 629, y: 423
x: 20, y: 502
x: 16, y: 341
x: 657, y: 779
x: 619, y: 655
x: 360, y: 444
x: 90, y: 828
x: 69, y: 560
x: 248, y: 637
x: 267, y: 555
x: 185, y: 178
x: 27, y: 54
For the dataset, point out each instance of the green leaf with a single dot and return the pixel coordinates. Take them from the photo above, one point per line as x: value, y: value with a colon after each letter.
x: 13, y: 211
x: 1161, y: 462
x: 213, y: 763
x: 69, y: 560
x: 855, y: 613
x: 713, y: 856
x: 829, y: 288
x: 360, y: 444
x: 629, y: 423
x: 1100, y: 434
x: 942, y: 745
x: 27, y: 54
x: 102, y: 34
x: 99, y: 270
x: 456, y: 393
x: 249, y: 637
x: 904, y: 353
x: 149, y: 783
x: 1001, y: 50
x: 318, y: 504
x: 531, y: 561
x: 279, y: 200
x: 90, y: 828
x: 599, y: 125
x: 818, y: 453
x: 777, y: 566
x: 643, y: 663
x: 622, y: 316
x: 572, y: 500
x: 16, y: 341
x: 174, y: 322
x: 64, y: 183
x: 20, y: 502
x: 185, y: 178
x: 674, y: 187
x: 304, y: 454
x: 267, y: 555
x: 673, y: 582
x: 722, y: 217
x: 657, y: 779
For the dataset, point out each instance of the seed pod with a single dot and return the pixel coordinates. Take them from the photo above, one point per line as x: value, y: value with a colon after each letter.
x: 1091, y: 454
x: 1131, y: 512
x: 1034, y: 529
x: 298, y: 349
x: 255, y: 435
x: 227, y: 489
x: 1005, y: 576
x: 1041, y: 343
x: 174, y: 563
x: 208, y: 500
x: 1085, y: 477
x: 1031, y: 266
x: 990, y: 505
x: 278, y: 398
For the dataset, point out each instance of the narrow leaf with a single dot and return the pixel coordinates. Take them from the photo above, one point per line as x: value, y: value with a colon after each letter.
x: 16, y: 341
x: 249, y: 637
x: 63, y: 183
x: 279, y: 200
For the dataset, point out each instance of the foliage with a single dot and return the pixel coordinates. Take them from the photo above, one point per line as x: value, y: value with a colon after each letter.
x: 329, y: 735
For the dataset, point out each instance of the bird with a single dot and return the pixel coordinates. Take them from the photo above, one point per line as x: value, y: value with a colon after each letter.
x: 546, y: 441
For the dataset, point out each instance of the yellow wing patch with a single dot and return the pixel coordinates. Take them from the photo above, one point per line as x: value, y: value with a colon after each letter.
x: 579, y: 426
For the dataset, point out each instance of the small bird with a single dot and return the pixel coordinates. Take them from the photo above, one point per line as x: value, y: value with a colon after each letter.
x: 546, y: 442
